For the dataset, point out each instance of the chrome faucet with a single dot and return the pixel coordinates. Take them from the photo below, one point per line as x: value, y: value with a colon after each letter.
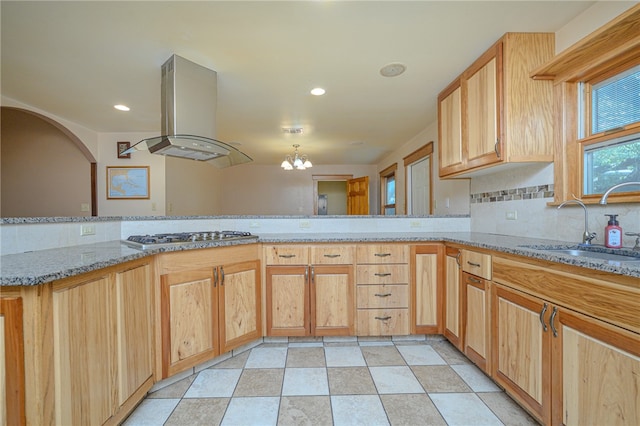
x: 586, y: 236
x: 603, y: 200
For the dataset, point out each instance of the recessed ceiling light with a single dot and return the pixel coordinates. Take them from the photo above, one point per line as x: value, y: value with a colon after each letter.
x: 318, y: 91
x: 392, y: 70
x: 121, y: 107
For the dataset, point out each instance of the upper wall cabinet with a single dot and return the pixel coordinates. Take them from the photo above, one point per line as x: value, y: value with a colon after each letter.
x: 494, y: 113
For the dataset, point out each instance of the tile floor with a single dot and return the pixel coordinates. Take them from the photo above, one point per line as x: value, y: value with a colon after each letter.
x: 344, y: 382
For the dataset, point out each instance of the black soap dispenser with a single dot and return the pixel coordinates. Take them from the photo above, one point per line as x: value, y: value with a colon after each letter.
x: 612, y: 232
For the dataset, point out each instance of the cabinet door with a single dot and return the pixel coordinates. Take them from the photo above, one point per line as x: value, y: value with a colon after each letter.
x: 452, y: 322
x: 522, y: 350
x: 189, y: 319
x: 426, y: 301
x: 596, y: 372
x: 332, y: 300
x: 288, y: 301
x: 134, y: 304
x: 450, y: 127
x: 477, y: 321
x: 481, y: 115
x: 12, y: 392
x: 84, y: 330
x: 239, y: 304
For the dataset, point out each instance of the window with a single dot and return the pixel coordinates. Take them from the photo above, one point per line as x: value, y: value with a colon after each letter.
x: 609, y: 130
x: 388, y: 190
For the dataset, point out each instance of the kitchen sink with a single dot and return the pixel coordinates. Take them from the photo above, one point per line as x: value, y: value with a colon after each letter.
x: 597, y: 252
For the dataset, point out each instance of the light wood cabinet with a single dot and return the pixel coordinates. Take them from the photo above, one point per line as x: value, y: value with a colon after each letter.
x: 207, y: 310
x: 12, y: 392
x: 102, y: 348
x: 426, y: 289
x: 382, y: 278
x: 494, y: 113
x: 477, y: 336
x: 564, y: 366
x: 310, y: 299
x: 452, y: 298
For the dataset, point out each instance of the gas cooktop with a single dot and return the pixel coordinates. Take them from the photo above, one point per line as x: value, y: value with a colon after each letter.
x: 144, y: 242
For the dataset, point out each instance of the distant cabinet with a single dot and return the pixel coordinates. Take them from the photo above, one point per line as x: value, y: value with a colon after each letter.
x: 310, y: 290
x: 452, y: 297
x: 494, y: 113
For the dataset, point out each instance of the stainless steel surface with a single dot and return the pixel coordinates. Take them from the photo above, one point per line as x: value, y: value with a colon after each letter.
x: 603, y: 200
x: 597, y: 255
x: 586, y: 235
x: 144, y: 242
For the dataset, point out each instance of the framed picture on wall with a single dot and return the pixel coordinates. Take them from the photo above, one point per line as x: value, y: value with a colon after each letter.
x: 128, y: 183
x: 123, y: 146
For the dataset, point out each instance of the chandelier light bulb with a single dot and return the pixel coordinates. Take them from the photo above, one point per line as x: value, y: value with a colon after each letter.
x: 296, y: 161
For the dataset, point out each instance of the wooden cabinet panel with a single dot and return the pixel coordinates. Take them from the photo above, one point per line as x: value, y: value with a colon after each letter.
x: 383, y: 322
x: 382, y: 253
x: 288, y: 311
x: 290, y: 254
x: 450, y: 126
x: 84, y: 353
x: 477, y: 335
x: 482, y: 101
x: 134, y: 301
x: 189, y: 319
x: 332, y: 255
x: 332, y: 303
x: 382, y: 274
x: 426, y: 294
x: 239, y: 304
x: 383, y: 296
x: 12, y: 386
x: 452, y: 321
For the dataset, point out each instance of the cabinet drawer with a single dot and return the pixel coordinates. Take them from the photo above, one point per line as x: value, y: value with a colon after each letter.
x: 383, y: 296
x: 382, y: 253
x: 382, y: 274
x: 476, y: 263
x: 286, y: 255
x: 383, y: 322
x: 332, y: 255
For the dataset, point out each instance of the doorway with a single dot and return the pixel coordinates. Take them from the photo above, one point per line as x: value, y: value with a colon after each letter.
x: 330, y: 194
x: 418, y: 181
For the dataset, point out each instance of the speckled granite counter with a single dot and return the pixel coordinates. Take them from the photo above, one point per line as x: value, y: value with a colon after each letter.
x: 39, y: 267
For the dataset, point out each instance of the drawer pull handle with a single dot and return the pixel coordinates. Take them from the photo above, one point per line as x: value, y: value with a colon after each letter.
x: 458, y: 258
x: 477, y: 265
x: 542, y: 312
x: 287, y: 256
x: 474, y: 280
x: 382, y: 254
x: 383, y: 294
x: 383, y: 318
x: 382, y: 274
x: 332, y: 255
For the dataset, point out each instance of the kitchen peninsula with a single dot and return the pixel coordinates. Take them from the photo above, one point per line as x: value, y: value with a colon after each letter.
x: 67, y: 293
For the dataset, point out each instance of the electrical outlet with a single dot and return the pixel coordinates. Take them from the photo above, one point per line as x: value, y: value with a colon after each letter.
x: 416, y: 224
x: 254, y: 225
x: 153, y: 207
x: 84, y: 207
x: 511, y: 214
x: 305, y: 224
x: 87, y: 230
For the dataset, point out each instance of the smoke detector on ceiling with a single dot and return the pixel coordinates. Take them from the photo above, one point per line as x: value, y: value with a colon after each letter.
x: 393, y: 69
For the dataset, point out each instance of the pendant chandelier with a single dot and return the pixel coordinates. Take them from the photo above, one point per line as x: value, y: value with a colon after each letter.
x: 296, y: 161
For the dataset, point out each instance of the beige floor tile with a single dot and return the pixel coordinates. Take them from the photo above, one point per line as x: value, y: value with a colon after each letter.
x: 410, y: 409
x: 175, y: 390
x: 305, y: 357
x: 449, y: 353
x: 198, y: 411
x: 237, y: 361
x: 439, y: 378
x: 382, y: 355
x: 260, y: 382
x: 350, y: 381
x: 506, y: 409
x: 305, y: 410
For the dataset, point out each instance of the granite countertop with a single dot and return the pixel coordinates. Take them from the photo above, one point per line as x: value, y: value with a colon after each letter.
x: 38, y: 267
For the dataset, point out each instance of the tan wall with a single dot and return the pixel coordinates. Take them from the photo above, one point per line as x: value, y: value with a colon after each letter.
x: 336, y: 192
x: 193, y: 188
x: 43, y: 171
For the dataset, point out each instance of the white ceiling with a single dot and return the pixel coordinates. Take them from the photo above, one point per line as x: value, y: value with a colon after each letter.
x: 77, y: 59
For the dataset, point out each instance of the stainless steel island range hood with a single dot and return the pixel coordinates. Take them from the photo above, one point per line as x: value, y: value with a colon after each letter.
x: 189, y: 93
